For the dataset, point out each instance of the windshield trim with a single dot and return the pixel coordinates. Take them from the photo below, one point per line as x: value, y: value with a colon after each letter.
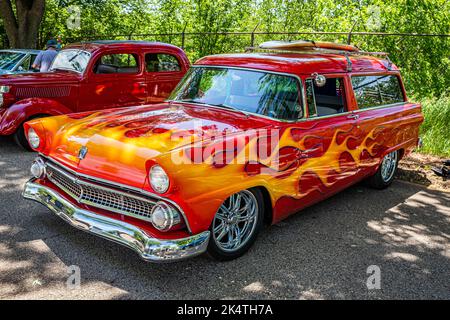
x: 69, y: 69
x: 299, y: 82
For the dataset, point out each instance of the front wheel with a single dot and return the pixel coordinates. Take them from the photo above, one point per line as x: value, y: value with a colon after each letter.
x: 236, y: 225
x: 386, y: 172
x: 20, y: 137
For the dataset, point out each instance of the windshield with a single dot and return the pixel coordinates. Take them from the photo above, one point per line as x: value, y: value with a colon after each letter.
x: 268, y: 94
x: 8, y: 60
x: 71, y: 60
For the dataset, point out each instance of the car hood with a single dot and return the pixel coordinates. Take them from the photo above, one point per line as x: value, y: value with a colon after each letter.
x: 38, y: 78
x: 121, y: 142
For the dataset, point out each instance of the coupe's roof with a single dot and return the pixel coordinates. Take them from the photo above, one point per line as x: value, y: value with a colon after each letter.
x: 100, y: 44
x: 298, y: 63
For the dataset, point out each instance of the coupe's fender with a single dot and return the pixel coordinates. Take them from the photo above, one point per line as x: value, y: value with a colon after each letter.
x: 25, y: 109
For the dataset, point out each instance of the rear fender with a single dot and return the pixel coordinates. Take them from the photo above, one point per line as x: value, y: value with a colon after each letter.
x: 25, y: 109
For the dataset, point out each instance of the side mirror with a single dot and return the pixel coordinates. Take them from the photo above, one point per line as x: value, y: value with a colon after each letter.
x: 319, y: 80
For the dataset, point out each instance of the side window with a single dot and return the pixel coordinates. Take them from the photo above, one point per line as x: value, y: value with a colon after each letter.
x: 161, y: 62
x: 326, y: 100
x: 374, y: 91
x: 310, y: 99
x: 117, y: 63
x: 391, y: 91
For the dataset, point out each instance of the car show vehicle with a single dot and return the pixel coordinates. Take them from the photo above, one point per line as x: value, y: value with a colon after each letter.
x: 245, y: 139
x: 91, y: 76
x: 17, y: 60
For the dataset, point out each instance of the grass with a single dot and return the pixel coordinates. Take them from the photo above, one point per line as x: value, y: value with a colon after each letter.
x: 435, y: 130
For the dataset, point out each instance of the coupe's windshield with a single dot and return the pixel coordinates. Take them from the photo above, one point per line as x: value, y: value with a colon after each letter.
x: 269, y: 94
x: 8, y: 60
x: 71, y: 60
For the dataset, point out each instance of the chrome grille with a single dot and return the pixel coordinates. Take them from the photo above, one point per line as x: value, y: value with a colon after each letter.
x: 42, y: 92
x: 64, y: 183
x: 99, y: 196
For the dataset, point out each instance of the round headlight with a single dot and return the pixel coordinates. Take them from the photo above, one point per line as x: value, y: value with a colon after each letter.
x: 159, y: 179
x: 164, y: 216
x: 33, y: 139
x: 38, y: 168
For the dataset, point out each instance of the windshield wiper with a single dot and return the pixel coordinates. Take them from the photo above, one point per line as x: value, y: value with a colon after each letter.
x: 224, y: 106
x: 76, y: 55
x: 232, y: 108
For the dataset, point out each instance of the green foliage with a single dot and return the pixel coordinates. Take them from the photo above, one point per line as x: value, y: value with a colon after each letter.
x: 424, y: 61
x: 435, y: 131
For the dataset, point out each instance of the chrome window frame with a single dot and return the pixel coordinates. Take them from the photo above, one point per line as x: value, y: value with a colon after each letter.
x: 314, y: 97
x: 73, y: 70
x: 382, y: 105
x: 358, y: 110
x: 331, y: 115
x: 301, y: 93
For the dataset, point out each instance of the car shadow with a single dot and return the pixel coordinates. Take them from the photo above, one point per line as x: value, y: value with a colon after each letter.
x: 322, y: 252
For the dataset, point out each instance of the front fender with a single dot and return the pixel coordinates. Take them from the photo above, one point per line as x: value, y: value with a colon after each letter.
x: 23, y: 110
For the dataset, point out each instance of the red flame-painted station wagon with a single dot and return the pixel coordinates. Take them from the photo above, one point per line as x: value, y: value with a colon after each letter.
x: 91, y: 76
x: 244, y: 139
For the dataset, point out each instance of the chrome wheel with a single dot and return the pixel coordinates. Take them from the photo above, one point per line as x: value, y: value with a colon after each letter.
x: 235, y: 221
x: 388, y: 166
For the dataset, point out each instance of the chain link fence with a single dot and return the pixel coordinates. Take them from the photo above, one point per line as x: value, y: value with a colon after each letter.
x: 424, y: 58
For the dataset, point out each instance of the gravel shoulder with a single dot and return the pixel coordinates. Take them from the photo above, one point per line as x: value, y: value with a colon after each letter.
x: 416, y: 168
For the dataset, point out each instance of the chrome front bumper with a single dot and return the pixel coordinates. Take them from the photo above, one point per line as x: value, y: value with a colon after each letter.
x: 149, y: 248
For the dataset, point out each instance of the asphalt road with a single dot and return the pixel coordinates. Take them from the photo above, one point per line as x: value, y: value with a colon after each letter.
x: 321, y: 253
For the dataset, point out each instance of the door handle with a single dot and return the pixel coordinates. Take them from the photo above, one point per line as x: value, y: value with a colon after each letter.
x: 353, y: 116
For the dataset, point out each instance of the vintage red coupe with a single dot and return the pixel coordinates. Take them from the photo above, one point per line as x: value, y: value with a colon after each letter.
x: 91, y: 76
x: 244, y: 140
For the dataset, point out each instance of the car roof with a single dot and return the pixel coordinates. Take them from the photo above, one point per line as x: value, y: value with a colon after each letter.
x: 21, y: 50
x: 95, y: 45
x: 298, y: 63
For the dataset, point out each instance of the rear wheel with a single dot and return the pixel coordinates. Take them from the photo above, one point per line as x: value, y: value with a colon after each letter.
x: 236, y: 225
x: 386, y: 172
x: 20, y: 137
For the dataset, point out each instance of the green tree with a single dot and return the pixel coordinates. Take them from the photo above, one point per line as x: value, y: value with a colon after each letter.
x: 21, y: 20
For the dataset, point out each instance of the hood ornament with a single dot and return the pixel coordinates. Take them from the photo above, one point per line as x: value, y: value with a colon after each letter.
x: 82, y: 153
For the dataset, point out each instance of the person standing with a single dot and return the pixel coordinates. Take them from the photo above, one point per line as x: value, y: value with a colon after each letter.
x: 45, y: 58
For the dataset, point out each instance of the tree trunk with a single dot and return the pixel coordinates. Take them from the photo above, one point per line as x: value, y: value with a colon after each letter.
x: 22, y: 28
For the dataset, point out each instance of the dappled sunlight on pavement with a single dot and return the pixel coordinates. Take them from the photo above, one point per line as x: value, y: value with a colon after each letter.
x: 321, y: 253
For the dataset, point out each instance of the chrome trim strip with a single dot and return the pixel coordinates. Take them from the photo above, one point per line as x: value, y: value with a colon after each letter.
x: 79, y: 51
x: 354, y: 111
x: 149, y: 248
x: 122, y: 186
x: 300, y: 83
x: 397, y: 104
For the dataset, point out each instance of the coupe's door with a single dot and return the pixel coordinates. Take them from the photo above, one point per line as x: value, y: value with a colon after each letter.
x: 116, y: 80
x: 163, y: 72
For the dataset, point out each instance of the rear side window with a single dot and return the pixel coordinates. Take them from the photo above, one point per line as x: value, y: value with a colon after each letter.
x: 161, y: 62
x: 374, y: 91
x: 117, y: 63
